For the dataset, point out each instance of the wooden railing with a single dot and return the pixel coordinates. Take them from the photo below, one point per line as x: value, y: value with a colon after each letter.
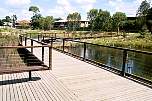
x: 125, y: 52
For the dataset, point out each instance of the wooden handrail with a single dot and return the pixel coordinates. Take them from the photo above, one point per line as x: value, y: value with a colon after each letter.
x: 2, y: 47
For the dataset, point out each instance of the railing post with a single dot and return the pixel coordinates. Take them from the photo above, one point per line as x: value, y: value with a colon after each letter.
x: 30, y: 75
x: 43, y: 37
x: 63, y: 44
x: 21, y: 40
x: 30, y: 35
x: 50, y: 57
x: 124, y: 62
x: 43, y: 54
x: 84, y: 54
x: 50, y: 54
x: 38, y: 37
x: 55, y: 35
x: 32, y: 45
x: 25, y: 40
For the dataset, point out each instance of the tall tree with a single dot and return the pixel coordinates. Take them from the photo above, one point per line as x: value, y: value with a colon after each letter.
x: 142, y: 12
x: 143, y: 8
x: 36, y: 17
x: 118, y: 20
x: 149, y: 20
x: 91, y: 15
x: 14, y: 19
x: 34, y: 9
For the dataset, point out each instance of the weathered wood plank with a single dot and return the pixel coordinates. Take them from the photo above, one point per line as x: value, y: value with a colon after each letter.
x: 1, y: 88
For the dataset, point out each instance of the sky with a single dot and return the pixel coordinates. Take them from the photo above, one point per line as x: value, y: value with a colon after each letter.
x: 61, y: 8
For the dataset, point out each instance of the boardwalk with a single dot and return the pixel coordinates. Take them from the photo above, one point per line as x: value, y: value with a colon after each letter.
x: 70, y: 80
x: 90, y: 83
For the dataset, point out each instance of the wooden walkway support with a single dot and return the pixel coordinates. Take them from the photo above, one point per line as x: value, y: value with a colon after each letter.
x: 90, y: 83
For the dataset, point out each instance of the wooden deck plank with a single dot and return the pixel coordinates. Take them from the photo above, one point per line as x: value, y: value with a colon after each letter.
x: 4, y: 96
x: 66, y: 91
x: 35, y: 89
x: 57, y: 92
x: 23, y: 88
x: 48, y: 88
x: 17, y: 88
x: 41, y: 88
x: 45, y: 89
x: 8, y: 89
x: 12, y: 94
x: 1, y: 88
x: 67, y: 96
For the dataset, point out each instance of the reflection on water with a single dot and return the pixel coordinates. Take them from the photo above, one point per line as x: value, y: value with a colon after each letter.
x: 137, y: 63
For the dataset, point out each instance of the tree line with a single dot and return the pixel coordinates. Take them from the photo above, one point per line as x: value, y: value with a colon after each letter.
x: 99, y: 20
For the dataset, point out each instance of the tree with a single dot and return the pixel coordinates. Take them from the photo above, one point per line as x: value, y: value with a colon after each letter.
x: 35, y: 23
x: 143, y: 8
x: 107, y: 25
x: 8, y: 19
x: 14, y: 19
x: 102, y: 20
x: 91, y: 15
x: 46, y: 22
x: 118, y: 20
x: 1, y: 22
x: 142, y: 12
x: 149, y: 20
x: 70, y: 21
x: 34, y: 9
x: 35, y: 18
x: 73, y: 20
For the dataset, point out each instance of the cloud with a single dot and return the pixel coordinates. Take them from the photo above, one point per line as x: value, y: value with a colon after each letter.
x: 86, y: 5
x: 24, y: 14
x: 85, y: 1
x: 18, y: 2
x: 130, y: 8
x: 62, y: 9
x: 4, y: 12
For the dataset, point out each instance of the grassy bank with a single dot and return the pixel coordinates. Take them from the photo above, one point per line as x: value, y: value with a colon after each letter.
x: 67, y: 34
x: 129, y: 42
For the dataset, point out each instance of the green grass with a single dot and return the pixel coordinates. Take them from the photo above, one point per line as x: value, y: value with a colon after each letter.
x: 130, y: 42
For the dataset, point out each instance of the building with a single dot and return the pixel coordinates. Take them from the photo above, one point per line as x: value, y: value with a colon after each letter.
x: 62, y: 24
x: 23, y: 24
